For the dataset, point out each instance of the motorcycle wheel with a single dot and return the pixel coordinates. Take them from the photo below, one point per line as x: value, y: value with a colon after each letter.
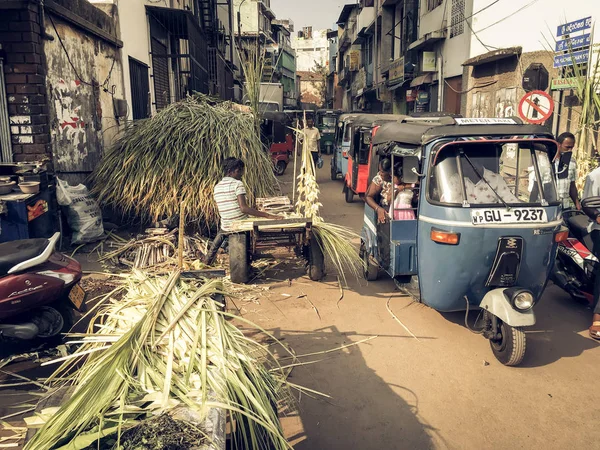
x: 50, y: 322
x: 509, y: 345
x: 280, y: 168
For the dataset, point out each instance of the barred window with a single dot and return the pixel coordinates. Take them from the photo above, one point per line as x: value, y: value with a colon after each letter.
x: 457, y: 23
x: 432, y: 4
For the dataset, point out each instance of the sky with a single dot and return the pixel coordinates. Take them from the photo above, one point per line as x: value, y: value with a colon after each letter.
x: 320, y: 14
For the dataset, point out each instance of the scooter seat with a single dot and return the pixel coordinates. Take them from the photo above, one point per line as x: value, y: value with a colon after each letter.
x: 15, y: 252
x: 578, y: 226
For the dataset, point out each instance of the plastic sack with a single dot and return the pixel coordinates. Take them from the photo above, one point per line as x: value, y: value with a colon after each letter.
x: 82, y: 210
x: 320, y: 163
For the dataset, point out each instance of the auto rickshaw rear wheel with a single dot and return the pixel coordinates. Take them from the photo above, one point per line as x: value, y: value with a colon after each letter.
x: 280, y: 168
x: 371, y: 268
x: 509, y: 345
x: 316, y: 260
x: 239, y: 260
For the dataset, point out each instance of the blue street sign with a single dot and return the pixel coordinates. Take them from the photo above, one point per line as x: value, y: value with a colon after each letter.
x: 567, y: 59
x: 574, y: 27
x: 574, y: 43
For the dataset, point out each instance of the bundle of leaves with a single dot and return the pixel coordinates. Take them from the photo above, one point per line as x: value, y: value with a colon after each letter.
x: 176, y: 157
x: 165, y: 344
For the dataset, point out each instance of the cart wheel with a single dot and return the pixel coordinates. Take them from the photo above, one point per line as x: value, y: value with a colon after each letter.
x: 316, y: 261
x: 370, y: 268
x: 509, y: 347
x: 238, y: 258
x: 280, y: 168
x: 349, y: 195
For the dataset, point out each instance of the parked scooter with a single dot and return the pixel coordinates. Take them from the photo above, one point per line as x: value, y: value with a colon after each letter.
x: 575, y: 267
x: 38, y: 289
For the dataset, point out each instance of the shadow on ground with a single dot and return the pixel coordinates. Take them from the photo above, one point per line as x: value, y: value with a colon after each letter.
x: 367, y: 412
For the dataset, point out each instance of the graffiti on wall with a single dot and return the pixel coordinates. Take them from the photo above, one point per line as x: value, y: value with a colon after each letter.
x: 68, y: 113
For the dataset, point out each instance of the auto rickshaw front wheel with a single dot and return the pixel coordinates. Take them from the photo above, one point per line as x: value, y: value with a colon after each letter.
x: 349, y: 193
x: 508, y: 345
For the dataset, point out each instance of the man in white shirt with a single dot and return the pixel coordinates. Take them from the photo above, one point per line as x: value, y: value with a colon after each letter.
x: 230, y: 197
x: 592, y: 189
x: 313, y: 140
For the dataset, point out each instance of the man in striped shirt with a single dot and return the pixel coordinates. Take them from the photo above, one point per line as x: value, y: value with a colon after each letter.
x: 230, y: 196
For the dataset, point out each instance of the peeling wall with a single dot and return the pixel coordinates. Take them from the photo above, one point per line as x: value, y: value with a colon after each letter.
x: 82, y: 79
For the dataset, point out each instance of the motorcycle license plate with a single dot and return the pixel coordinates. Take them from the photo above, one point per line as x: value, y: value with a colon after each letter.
x: 507, y: 216
x: 77, y: 296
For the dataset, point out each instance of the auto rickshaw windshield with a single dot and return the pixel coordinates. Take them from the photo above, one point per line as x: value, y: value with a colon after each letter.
x: 510, y: 173
x: 329, y: 121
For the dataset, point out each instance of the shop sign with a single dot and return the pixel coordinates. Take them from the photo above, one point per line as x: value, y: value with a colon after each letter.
x: 423, y: 97
x: 396, y: 70
x: 354, y: 60
x: 559, y: 84
x: 428, y: 61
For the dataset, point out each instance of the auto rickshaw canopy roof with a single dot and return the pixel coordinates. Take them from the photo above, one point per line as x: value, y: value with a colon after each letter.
x: 370, y: 120
x: 418, y: 132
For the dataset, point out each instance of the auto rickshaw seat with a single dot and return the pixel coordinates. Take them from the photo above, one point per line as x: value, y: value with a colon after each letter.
x: 578, y: 226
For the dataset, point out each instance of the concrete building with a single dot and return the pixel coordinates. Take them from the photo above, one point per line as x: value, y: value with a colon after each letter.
x: 62, y: 83
x: 171, y: 51
x: 252, y: 19
x: 284, y: 59
x: 312, y: 48
x: 312, y: 89
x: 348, y: 56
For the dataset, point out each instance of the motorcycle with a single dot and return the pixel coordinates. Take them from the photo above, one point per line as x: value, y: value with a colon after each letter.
x: 39, y: 289
x: 576, y: 265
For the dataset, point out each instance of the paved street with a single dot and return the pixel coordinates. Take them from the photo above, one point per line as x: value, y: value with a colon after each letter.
x: 444, y: 390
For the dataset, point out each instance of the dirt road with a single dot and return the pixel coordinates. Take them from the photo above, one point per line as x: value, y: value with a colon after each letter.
x: 444, y: 390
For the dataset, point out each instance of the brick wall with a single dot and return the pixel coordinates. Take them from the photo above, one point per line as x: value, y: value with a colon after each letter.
x: 24, y: 71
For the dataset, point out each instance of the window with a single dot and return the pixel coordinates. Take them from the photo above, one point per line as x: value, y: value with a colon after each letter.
x: 140, y: 89
x: 457, y: 21
x: 492, y: 174
x: 432, y: 4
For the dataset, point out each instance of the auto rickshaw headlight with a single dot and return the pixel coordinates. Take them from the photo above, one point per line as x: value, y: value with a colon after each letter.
x: 521, y: 299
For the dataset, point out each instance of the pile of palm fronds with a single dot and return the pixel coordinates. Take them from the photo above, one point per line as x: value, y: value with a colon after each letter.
x: 156, y: 251
x: 165, y: 343
x: 175, y: 156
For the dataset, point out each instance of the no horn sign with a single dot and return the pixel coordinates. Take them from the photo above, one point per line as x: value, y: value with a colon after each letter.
x: 536, y: 107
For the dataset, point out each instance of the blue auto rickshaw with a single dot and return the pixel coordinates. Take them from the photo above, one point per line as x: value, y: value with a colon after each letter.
x: 484, y: 225
x: 326, y: 123
x: 341, y: 146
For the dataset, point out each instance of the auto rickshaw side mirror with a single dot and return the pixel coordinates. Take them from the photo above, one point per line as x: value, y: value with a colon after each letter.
x: 410, y: 170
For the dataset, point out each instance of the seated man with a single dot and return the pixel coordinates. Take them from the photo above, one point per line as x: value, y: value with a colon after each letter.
x: 230, y: 196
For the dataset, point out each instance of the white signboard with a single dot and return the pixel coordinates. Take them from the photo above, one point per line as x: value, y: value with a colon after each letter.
x: 485, y: 121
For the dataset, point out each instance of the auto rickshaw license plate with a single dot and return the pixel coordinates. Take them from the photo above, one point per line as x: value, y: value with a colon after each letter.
x: 514, y: 215
x: 77, y: 296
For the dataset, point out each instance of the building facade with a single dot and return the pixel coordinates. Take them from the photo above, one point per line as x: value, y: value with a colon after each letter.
x: 62, y: 84
x: 170, y: 51
x: 283, y: 59
x: 312, y: 49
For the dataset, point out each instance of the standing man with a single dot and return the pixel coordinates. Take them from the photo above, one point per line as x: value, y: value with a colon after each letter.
x: 592, y: 189
x: 313, y: 140
x: 230, y: 196
x: 565, y: 168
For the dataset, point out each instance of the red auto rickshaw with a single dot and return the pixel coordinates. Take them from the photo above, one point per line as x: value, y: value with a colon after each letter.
x: 277, y: 136
x: 359, y: 154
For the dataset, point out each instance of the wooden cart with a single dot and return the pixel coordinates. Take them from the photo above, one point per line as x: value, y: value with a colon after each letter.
x: 295, y: 234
